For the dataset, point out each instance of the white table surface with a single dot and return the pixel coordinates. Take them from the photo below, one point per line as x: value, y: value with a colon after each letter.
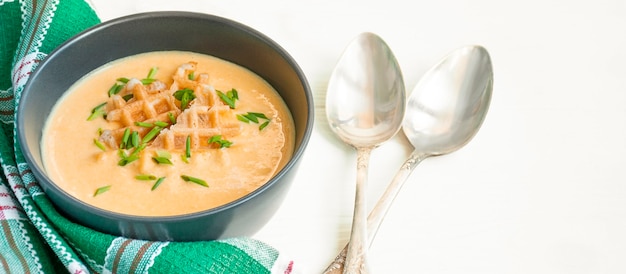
x: 542, y: 186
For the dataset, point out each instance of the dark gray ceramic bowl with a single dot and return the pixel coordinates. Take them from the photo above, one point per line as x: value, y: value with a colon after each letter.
x: 158, y: 31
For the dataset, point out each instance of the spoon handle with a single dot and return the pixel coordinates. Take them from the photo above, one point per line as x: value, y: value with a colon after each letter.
x: 381, y: 208
x: 357, y: 248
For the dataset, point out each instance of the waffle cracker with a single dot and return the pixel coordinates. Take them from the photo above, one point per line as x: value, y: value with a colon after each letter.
x: 149, y: 104
x: 200, y: 123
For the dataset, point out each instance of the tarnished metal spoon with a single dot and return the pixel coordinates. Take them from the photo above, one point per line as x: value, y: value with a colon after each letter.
x: 444, y: 112
x: 365, y: 105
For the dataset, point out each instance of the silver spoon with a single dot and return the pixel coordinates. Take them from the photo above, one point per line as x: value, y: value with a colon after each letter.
x: 365, y: 104
x: 444, y: 112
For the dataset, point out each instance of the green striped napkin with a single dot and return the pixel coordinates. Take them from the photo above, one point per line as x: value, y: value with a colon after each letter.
x: 35, y: 238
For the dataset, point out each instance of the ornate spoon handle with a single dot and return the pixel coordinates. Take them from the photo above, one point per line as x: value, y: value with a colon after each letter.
x: 380, y: 209
x: 355, y: 260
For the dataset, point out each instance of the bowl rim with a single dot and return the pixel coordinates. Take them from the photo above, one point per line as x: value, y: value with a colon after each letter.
x: 296, y: 155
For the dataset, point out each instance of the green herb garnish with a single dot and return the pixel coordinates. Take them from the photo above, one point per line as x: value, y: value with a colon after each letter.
x: 115, y: 89
x: 172, y: 118
x: 128, y: 97
x: 162, y: 161
x: 251, y: 117
x: 134, y: 139
x: 151, y: 134
x: 184, y: 96
x: 242, y: 118
x: 145, y: 177
x: 127, y: 159
x: 229, y: 97
x: 188, y: 147
x: 161, y: 124
x: 102, y: 190
x: 185, y: 157
x: 152, y: 73
x: 259, y: 115
x: 217, y: 139
x: 194, y: 180
x: 254, y: 117
x: 262, y: 126
x: 99, y: 144
x: 118, y: 86
x: 99, y: 110
x: 190, y: 76
x: 157, y: 183
x: 150, y: 78
x: 143, y: 124
x: 147, y: 81
x: 125, y: 138
x: 162, y: 157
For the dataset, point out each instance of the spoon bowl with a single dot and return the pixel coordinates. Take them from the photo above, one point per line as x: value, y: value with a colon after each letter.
x: 365, y: 101
x: 365, y: 105
x: 444, y: 112
x: 447, y: 107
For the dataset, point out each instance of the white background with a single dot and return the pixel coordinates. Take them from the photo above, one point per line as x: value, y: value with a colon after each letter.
x: 540, y: 189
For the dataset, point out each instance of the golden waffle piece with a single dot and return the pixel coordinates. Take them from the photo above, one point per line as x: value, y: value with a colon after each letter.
x: 206, y: 116
x: 200, y: 123
x: 149, y: 104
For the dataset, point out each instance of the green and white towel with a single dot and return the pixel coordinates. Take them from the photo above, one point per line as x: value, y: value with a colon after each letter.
x: 35, y: 238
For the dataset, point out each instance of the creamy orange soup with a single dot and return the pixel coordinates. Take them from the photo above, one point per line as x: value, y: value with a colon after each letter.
x: 167, y: 133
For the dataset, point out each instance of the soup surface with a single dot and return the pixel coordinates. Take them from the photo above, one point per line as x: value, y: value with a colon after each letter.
x: 166, y: 133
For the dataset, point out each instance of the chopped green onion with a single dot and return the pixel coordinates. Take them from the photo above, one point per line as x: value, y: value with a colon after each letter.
x: 194, y: 180
x: 258, y: 114
x: 262, y: 126
x: 185, y: 157
x: 230, y: 101
x: 188, y: 147
x: 152, y: 72
x: 162, y: 160
x: 233, y: 94
x: 147, y: 81
x: 184, y: 96
x: 99, y: 144
x: 125, y: 137
x: 115, y: 89
x: 172, y: 118
x: 163, y: 157
x: 134, y: 139
x: 127, y: 159
x: 254, y: 117
x: 153, y: 133
x: 145, y: 177
x: 143, y: 124
x: 190, y: 76
x: 242, y: 118
x: 118, y: 86
x: 157, y: 183
x: 161, y: 124
x: 102, y: 190
x: 221, y: 142
x: 97, y: 111
x: 251, y: 117
x: 128, y: 97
